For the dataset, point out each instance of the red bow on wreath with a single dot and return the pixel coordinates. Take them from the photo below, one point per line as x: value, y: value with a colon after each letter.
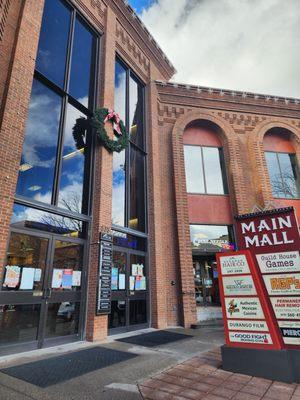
x: 112, y: 115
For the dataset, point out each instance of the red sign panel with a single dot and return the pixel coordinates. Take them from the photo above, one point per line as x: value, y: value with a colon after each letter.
x: 268, y: 231
x: 273, y: 239
x: 247, y: 314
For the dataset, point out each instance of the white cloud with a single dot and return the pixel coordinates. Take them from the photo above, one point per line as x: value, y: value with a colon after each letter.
x: 250, y: 45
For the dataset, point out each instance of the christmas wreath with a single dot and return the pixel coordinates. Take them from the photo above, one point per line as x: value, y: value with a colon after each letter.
x: 98, y: 121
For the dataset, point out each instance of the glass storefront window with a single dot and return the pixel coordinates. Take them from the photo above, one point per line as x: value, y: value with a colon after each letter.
x: 62, y: 319
x: 25, y: 263
x: 73, y: 167
x: 206, y: 281
x: 128, y: 200
x: 131, y: 242
x: 205, y: 170
x: 26, y: 217
x: 19, y: 323
x: 81, y: 63
x: 211, y: 238
x: 53, y: 170
x: 37, y: 167
x: 284, y: 174
x: 137, y: 192
x: 117, y: 317
x: 119, y: 187
x: 52, y: 52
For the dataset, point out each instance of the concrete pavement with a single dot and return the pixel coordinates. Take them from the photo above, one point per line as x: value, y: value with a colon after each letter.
x: 114, y: 382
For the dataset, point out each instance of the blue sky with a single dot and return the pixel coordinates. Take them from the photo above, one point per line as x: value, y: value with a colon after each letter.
x: 138, y: 5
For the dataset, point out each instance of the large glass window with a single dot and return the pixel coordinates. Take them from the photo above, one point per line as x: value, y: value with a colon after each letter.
x: 284, y: 174
x: 53, y: 169
x: 211, y: 238
x: 205, y: 170
x: 128, y: 204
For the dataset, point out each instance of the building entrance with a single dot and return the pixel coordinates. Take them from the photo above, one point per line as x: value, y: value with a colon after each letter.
x: 206, y: 281
x: 129, y: 290
x: 42, y: 288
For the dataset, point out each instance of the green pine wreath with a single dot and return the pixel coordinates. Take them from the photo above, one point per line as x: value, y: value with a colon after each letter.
x: 97, y: 121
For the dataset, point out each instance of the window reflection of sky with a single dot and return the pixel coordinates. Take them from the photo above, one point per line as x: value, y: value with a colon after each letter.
x: 71, y: 183
x: 118, y: 198
x: 120, y: 90
x: 81, y: 63
x: 40, y: 145
x: 51, y: 58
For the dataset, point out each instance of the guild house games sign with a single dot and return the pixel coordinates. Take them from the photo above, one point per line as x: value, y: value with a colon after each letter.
x: 104, y: 281
x: 273, y: 239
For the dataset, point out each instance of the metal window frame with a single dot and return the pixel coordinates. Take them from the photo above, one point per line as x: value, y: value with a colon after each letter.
x: 222, y: 167
x: 142, y: 150
x: 281, y: 174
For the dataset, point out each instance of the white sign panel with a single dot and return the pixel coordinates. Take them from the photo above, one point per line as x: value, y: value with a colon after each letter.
x: 258, y: 326
x: 286, y: 284
x: 286, y: 307
x: 290, y: 331
x: 250, y: 337
x: 236, y: 264
x: 238, y: 285
x: 243, y: 307
x: 288, y: 261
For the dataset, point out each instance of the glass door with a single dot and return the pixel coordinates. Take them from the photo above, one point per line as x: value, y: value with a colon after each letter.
x: 129, y: 288
x: 40, y: 293
x: 64, y: 290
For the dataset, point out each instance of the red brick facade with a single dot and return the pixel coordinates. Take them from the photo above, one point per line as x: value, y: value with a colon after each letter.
x: 243, y: 119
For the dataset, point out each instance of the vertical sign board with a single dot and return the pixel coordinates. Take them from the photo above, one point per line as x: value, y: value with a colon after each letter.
x: 247, y: 321
x: 274, y: 241
x: 104, y: 280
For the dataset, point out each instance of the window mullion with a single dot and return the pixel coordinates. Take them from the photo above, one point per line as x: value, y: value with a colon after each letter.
x: 63, y: 114
x: 203, y: 170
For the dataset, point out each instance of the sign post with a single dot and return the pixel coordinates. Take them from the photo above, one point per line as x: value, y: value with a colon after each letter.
x: 260, y: 292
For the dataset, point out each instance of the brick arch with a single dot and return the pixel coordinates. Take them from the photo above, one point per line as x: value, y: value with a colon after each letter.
x: 234, y: 165
x: 257, y: 156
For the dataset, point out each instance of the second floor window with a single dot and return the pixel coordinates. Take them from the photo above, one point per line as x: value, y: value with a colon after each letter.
x: 284, y: 174
x: 52, y: 169
x: 205, y: 170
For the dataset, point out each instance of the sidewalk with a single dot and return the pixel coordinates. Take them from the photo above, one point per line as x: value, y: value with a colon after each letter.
x: 201, y: 378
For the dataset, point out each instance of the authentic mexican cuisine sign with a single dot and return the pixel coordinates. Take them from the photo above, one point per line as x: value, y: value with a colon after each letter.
x: 260, y: 284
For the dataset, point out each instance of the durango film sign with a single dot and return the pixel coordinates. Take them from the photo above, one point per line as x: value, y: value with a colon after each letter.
x: 268, y: 231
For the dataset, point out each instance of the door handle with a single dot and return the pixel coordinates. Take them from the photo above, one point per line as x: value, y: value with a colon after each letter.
x: 47, y: 293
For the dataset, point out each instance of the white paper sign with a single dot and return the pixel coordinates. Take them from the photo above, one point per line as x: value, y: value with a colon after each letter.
x: 286, y: 307
x: 288, y: 261
x: 121, y: 281
x: 259, y: 326
x: 76, y: 278
x: 290, y: 331
x: 250, y: 337
x: 131, y: 282
x: 57, y: 278
x: 236, y: 264
x: 27, y: 278
x: 12, y: 276
x: 238, y: 285
x: 37, y: 275
x: 286, y: 284
x: 243, y: 307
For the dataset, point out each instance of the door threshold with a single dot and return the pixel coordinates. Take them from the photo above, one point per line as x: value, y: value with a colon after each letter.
x: 55, y: 350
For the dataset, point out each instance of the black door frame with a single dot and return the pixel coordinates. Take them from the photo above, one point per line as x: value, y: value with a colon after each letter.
x: 42, y: 297
x: 126, y: 296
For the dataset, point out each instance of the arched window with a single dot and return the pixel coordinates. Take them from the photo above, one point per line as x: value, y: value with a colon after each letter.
x: 282, y: 163
x: 204, y: 160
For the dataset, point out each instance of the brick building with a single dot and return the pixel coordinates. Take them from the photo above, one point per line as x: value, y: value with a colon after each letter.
x: 197, y: 156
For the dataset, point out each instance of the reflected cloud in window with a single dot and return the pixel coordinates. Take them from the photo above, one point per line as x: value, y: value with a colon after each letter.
x: 36, y: 172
